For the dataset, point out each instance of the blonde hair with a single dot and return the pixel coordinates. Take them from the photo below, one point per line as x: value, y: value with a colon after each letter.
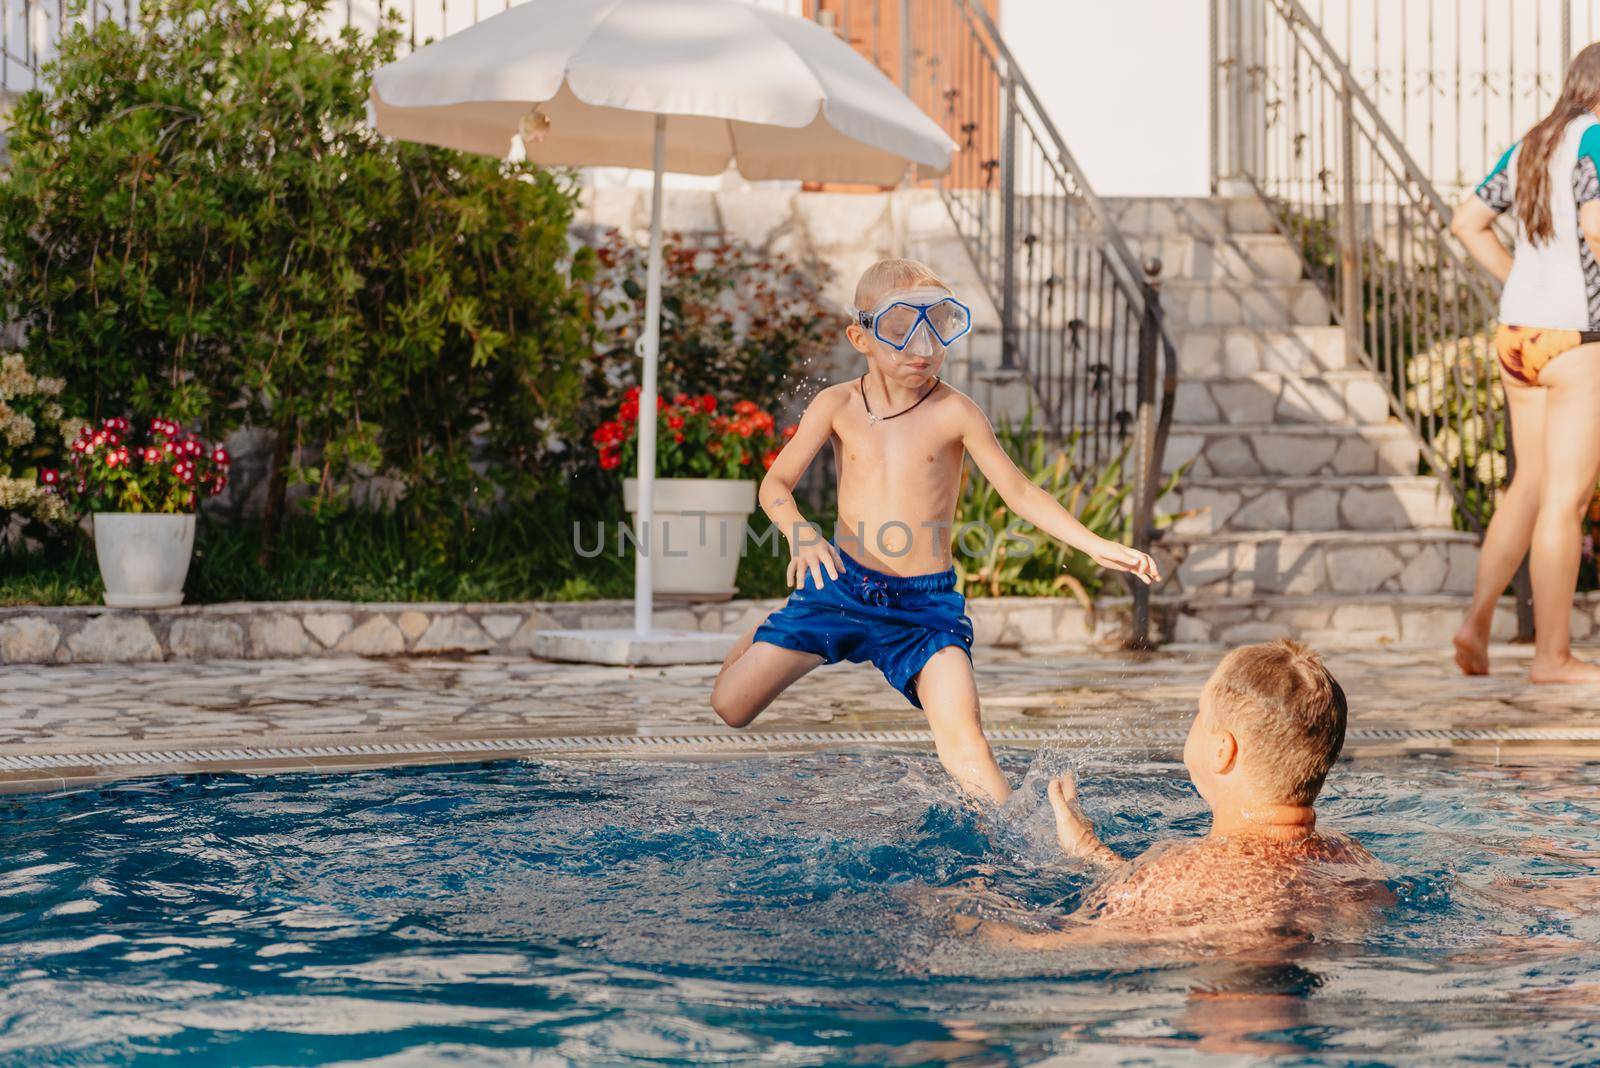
x: 885, y: 276
x: 1286, y: 709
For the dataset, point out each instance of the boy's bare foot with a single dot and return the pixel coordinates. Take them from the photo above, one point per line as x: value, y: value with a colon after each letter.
x: 1472, y: 651
x: 1569, y: 670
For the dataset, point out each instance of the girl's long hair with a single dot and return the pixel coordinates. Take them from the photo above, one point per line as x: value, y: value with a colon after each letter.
x: 1580, y: 92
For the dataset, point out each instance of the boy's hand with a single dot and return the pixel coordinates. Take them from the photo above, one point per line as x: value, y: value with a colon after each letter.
x: 1118, y: 557
x: 1073, y: 829
x: 813, y: 558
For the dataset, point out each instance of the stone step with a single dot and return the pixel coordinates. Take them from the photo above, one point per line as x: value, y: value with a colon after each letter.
x: 1234, y: 257
x: 1253, y: 563
x: 1295, y: 450
x: 1184, y: 257
x: 1210, y: 216
x: 1343, y: 619
x: 1232, y: 303
x: 1343, y: 397
x: 1329, y: 503
x: 1223, y: 351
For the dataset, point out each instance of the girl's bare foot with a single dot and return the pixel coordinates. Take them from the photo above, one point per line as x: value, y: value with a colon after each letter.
x: 1472, y: 651
x: 1569, y: 670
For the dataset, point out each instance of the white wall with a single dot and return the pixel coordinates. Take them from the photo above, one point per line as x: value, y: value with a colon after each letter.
x: 1125, y: 81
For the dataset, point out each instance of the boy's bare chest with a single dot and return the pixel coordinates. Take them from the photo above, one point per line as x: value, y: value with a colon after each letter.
x: 883, y: 452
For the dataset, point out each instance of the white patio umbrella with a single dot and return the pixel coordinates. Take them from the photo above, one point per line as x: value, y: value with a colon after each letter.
x: 673, y: 85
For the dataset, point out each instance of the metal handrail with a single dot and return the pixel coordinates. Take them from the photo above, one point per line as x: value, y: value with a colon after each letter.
x: 1373, y: 234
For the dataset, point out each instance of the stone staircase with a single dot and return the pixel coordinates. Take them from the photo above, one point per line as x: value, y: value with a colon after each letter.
x: 1301, y: 510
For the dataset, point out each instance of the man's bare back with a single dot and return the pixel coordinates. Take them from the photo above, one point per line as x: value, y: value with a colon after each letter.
x: 1242, y: 880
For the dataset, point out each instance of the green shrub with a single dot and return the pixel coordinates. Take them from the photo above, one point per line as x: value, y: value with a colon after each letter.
x: 998, y: 557
x: 736, y: 322
x: 199, y: 221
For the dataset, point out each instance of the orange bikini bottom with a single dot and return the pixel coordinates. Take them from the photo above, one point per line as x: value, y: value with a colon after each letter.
x: 1525, y: 350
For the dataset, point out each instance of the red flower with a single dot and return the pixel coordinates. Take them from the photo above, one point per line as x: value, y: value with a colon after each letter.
x: 678, y: 438
x: 681, y: 399
x: 50, y: 476
x: 744, y: 407
x: 708, y: 403
x: 152, y: 455
x: 769, y: 459
x: 788, y: 431
x: 714, y: 448
x: 675, y: 421
x: 744, y: 427
x: 763, y: 422
x: 609, y: 459
x: 632, y: 394
x: 661, y: 402
x: 221, y: 456
x: 744, y: 458
x: 629, y: 411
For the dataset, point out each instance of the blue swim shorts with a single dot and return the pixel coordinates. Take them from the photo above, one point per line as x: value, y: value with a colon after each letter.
x: 895, y: 622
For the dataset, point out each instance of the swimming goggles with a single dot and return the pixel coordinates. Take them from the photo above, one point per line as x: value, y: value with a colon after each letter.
x: 896, y: 322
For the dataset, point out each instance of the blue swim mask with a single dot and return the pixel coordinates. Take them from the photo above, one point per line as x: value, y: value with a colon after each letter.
x: 895, y: 322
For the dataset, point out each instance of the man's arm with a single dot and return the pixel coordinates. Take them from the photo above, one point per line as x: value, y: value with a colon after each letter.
x: 1033, y: 505
x: 1073, y: 829
x: 809, y: 549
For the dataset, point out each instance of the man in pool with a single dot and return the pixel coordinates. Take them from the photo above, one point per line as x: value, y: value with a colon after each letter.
x: 1270, y: 724
x: 883, y: 590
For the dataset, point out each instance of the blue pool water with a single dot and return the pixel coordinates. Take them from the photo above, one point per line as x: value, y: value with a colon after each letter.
x: 771, y: 910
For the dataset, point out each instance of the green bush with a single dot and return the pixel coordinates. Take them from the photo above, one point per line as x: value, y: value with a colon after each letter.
x: 1026, y: 562
x: 736, y: 322
x: 199, y: 223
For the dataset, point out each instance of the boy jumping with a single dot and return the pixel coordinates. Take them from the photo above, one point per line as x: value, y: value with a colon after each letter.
x: 884, y: 589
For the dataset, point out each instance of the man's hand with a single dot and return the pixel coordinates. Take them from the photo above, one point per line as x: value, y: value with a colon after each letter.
x: 812, y: 555
x: 1118, y: 557
x: 1073, y: 829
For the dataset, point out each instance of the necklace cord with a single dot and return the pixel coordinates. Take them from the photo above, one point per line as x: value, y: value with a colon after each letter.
x: 885, y: 418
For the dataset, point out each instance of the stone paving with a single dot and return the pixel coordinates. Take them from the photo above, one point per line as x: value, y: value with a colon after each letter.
x: 55, y: 715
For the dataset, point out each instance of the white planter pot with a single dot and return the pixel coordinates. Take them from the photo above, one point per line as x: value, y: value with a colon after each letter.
x: 698, y: 533
x: 144, y: 557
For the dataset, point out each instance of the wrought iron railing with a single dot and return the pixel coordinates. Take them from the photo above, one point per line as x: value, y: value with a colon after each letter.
x: 1458, y: 80
x: 1080, y: 317
x: 1373, y: 234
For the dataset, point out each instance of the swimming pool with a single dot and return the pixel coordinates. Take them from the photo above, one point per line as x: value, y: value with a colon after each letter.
x: 734, y: 910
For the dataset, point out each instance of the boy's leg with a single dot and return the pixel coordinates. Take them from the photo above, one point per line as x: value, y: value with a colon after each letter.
x: 949, y: 696
x: 753, y: 675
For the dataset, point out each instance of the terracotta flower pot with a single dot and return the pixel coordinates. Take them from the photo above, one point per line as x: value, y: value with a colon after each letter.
x: 697, y: 535
x: 144, y: 557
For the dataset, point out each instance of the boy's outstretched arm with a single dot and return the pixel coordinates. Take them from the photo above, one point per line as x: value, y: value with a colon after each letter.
x: 810, y: 552
x: 1033, y: 505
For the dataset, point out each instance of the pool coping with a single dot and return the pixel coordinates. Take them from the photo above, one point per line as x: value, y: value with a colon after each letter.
x: 57, y: 772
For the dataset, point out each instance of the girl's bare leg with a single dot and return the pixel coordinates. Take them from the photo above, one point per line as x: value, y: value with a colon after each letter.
x: 1506, y: 541
x: 1572, y: 463
x: 753, y: 675
x: 949, y: 696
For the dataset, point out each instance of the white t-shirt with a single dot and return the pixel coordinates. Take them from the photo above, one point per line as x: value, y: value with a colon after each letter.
x: 1555, y: 285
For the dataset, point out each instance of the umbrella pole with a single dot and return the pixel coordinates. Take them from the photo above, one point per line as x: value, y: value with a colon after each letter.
x: 643, y: 593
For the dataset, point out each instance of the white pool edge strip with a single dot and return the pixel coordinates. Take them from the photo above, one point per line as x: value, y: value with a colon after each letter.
x: 644, y: 745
